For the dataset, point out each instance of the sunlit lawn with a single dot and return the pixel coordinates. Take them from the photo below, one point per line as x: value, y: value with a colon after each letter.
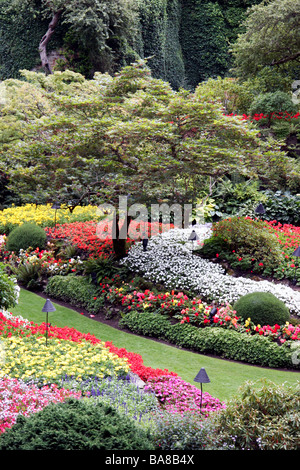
x: 225, y: 376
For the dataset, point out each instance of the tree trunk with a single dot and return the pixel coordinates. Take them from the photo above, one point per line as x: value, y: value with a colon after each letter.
x: 119, y: 244
x: 45, y: 40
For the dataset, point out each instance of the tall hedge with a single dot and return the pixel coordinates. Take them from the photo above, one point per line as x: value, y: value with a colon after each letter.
x: 159, y: 39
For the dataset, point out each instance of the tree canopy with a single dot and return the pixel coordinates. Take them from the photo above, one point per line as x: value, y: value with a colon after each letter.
x: 271, y: 39
x: 76, y: 140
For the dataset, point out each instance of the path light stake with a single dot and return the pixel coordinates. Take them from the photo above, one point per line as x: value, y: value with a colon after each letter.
x: 145, y: 243
x: 48, y: 307
x: 201, y: 378
x: 55, y: 206
x: 296, y: 253
x: 260, y: 210
x: 193, y: 237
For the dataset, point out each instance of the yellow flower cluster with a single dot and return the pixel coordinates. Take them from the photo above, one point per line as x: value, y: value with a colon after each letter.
x: 44, y: 215
x: 29, y: 358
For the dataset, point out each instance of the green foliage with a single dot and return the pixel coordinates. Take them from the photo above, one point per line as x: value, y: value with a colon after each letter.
x: 25, y: 236
x: 270, y: 42
x: 159, y: 39
x: 238, y: 197
x: 229, y: 344
x: 203, y: 41
x: 29, y: 275
x: 283, y: 207
x: 110, y: 154
x: 263, y: 308
x: 76, y: 290
x: 75, y: 425
x: 181, y: 432
x: 264, y: 416
x: 8, y: 289
x: 21, y: 28
x: 102, y: 267
x: 251, y: 238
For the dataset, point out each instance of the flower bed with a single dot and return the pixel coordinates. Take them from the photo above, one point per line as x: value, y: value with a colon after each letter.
x: 74, y: 355
x: 169, y: 260
x: 194, y: 311
x: 178, y: 396
x: 43, y: 215
x: 85, y: 235
x: 17, y: 398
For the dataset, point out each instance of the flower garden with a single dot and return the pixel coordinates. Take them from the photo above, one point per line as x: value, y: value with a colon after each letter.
x: 173, y: 291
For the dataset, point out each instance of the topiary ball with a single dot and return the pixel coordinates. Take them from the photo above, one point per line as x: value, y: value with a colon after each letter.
x: 263, y: 308
x: 25, y: 236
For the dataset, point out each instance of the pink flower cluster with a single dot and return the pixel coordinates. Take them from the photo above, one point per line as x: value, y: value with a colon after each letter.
x: 177, y: 396
x: 17, y: 398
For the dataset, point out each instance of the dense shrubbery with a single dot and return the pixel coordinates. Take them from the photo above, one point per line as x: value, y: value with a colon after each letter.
x: 263, y: 308
x: 251, y: 240
x: 75, y: 425
x: 264, y: 416
x: 76, y: 290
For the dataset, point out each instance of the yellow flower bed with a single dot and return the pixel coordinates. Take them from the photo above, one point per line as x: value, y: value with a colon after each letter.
x: 44, y: 215
x: 28, y: 358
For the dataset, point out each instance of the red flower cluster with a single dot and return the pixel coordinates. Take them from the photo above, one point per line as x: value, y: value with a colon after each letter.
x: 84, y: 236
x: 259, y: 116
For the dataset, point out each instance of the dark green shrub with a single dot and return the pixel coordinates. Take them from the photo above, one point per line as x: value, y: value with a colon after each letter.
x: 75, y: 425
x: 25, y: 236
x: 273, y: 102
x: 265, y: 416
x: 263, y: 308
x: 212, y: 246
x: 76, y: 290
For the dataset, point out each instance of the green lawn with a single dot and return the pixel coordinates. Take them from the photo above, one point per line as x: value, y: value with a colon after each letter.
x: 225, y: 376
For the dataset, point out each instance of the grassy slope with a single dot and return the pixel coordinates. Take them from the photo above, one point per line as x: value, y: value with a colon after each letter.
x: 225, y: 376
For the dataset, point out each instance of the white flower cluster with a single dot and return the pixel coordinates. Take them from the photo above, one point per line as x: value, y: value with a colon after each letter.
x: 169, y: 260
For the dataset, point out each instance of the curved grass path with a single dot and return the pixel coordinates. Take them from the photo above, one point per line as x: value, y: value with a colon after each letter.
x: 225, y: 376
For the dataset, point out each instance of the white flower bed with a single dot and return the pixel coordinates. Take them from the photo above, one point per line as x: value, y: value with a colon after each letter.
x: 169, y: 260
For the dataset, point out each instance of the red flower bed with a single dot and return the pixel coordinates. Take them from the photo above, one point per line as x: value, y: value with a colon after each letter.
x: 85, y: 235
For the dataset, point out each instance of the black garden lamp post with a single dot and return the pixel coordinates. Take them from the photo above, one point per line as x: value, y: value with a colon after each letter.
x: 193, y: 237
x: 145, y: 243
x: 296, y: 253
x: 55, y: 206
x: 201, y: 378
x: 48, y: 307
x: 260, y: 210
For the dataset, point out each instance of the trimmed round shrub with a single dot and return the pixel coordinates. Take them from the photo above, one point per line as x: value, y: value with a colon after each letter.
x: 75, y: 425
x: 25, y: 236
x: 263, y: 308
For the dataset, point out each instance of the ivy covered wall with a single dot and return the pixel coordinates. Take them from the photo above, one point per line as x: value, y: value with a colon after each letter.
x: 186, y: 41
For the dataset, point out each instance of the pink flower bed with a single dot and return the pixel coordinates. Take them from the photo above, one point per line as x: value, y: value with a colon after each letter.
x: 177, y: 396
x: 17, y: 398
